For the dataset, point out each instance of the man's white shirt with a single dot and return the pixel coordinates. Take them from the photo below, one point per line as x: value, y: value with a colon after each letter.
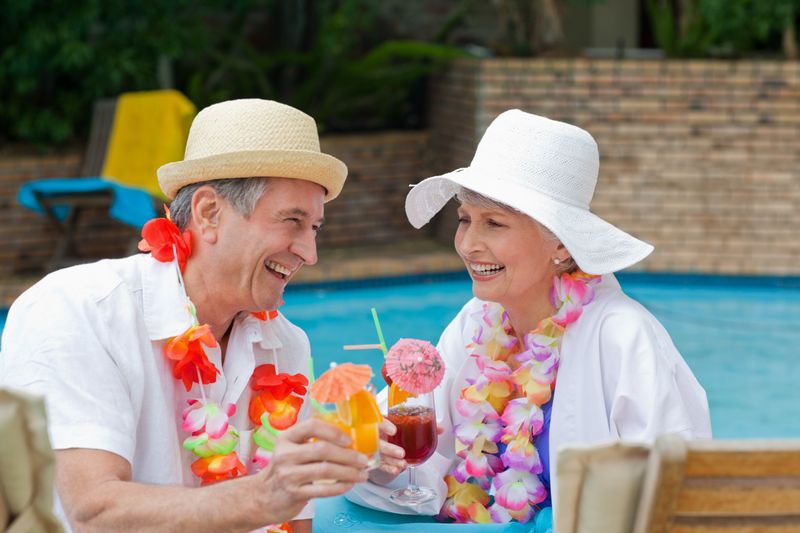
x: 90, y: 340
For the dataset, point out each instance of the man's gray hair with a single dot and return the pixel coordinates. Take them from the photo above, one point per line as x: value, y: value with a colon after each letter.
x: 468, y: 196
x: 241, y: 193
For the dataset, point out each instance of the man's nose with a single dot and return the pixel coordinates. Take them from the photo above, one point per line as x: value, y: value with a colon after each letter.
x: 305, y: 248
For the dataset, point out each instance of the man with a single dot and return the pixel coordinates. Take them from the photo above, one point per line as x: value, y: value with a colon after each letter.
x: 100, y: 341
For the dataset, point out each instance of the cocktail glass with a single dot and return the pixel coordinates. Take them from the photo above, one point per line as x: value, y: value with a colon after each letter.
x: 415, y: 418
x: 359, y: 417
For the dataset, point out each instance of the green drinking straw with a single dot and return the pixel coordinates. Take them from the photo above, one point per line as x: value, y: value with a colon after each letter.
x: 311, y: 378
x: 314, y: 403
x: 378, y: 329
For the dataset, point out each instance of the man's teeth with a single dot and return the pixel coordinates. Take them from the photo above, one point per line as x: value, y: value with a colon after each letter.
x: 280, y: 269
x: 486, y: 269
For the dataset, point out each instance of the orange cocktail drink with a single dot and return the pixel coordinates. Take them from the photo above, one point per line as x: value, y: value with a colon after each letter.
x: 359, y: 417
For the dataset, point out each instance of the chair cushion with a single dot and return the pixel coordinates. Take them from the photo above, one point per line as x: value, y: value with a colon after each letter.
x: 26, y: 465
x: 599, y: 487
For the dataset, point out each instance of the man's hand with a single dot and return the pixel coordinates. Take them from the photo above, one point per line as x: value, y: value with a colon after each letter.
x: 298, y: 461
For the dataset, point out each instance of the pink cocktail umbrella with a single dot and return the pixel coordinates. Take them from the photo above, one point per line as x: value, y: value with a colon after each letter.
x: 414, y: 365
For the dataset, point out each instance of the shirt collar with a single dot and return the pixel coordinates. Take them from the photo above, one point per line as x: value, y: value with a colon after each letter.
x: 166, y: 316
x: 164, y: 303
x: 261, y: 332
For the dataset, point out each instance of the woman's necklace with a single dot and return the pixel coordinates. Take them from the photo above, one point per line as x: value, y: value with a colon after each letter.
x: 502, y: 409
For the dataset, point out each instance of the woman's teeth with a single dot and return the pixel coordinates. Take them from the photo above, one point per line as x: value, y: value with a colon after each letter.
x: 485, y: 269
x: 280, y: 269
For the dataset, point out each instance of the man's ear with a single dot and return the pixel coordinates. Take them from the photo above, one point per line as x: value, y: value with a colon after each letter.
x: 206, y: 210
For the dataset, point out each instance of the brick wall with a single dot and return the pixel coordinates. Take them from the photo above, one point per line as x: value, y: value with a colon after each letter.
x: 27, y: 239
x: 700, y: 158
x: 369, y: 210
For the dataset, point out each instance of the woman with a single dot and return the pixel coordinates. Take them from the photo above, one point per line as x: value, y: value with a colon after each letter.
x: 550, y: 351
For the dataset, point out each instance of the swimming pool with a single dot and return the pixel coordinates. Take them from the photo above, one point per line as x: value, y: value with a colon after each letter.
x: 739, y: 335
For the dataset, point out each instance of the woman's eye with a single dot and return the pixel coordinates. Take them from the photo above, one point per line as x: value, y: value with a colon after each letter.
x: 463, y: 220
x: 494, y: 224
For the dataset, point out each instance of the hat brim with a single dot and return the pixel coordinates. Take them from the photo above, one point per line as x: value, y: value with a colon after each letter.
x: 597, y: 246
x: 316, y: 167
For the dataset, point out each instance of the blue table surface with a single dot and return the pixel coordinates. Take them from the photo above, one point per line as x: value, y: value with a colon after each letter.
x: 337, y: 515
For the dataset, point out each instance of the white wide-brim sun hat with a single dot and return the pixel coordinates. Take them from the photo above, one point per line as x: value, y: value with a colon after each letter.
x: 253, y: 138
x: 547, y: 170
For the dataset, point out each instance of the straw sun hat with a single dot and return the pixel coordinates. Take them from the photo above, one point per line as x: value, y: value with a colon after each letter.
x: 253, y: 138
x: 547, y: 170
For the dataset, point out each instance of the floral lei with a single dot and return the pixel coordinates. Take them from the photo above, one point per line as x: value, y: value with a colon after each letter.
x: 276, y: 399
x: 502, y: 408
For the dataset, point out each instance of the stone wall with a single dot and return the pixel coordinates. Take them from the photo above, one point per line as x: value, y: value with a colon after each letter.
x: 700, y: 158
x: 369, y: 210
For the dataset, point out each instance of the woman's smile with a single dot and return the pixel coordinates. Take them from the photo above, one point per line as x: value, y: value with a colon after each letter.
x: 484, y: 271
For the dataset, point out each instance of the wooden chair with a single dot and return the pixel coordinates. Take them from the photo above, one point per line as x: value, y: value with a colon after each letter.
x: 721, y: 487
x: 676, y: 486
x: 100, y: 131
x: 130, y: 137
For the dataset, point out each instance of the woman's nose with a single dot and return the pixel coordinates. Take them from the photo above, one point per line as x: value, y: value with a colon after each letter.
x: 468, y: 240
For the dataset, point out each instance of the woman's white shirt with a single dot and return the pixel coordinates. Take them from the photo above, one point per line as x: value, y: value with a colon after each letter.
x: 620, y: 378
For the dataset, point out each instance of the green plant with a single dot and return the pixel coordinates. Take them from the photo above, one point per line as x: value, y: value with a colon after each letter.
x: 334, y: 59
x: 59, y: 56
x: 724, y: 28
x: 331, y: 59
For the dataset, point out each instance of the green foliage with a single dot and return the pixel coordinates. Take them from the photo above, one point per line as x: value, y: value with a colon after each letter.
x: 59, y: 56
x: 720, y: 28
x: 331, y: 58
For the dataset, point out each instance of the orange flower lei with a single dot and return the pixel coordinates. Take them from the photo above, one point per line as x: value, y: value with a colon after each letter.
x: 274, y: 406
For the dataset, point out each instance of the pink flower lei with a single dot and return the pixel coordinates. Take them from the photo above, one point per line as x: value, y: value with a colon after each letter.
x: 276, y: 400
x: 504, y: 406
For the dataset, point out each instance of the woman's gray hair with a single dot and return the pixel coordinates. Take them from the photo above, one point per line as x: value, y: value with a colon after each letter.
x: 241, y: 193
x: 468, y: 196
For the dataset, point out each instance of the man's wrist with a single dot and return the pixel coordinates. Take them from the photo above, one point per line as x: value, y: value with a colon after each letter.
x: 258, y: 503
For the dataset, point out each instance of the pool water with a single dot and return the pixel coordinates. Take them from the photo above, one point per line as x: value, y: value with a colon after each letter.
x: 740, y: 336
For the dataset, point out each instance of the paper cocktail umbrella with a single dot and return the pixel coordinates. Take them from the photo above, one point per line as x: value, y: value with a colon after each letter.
x: 340, y: 382
x: 415, y: 366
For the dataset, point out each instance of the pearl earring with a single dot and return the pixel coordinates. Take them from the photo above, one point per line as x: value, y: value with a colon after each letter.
x: 556, y: 261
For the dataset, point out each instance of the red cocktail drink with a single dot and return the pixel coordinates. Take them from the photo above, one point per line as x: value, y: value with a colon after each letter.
x: 416, y: 431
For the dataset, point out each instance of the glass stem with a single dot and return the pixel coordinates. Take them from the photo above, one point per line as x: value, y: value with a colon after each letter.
x: 412, y: 479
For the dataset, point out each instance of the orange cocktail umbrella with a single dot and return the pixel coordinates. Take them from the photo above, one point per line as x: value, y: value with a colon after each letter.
x: 340, y: 382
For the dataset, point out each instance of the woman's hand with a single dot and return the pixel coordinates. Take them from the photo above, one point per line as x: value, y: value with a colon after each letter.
x: 392, y: 462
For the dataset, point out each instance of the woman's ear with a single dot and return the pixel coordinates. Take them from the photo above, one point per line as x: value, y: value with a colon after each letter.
x: 206, y: 210
x: 562, y: 254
